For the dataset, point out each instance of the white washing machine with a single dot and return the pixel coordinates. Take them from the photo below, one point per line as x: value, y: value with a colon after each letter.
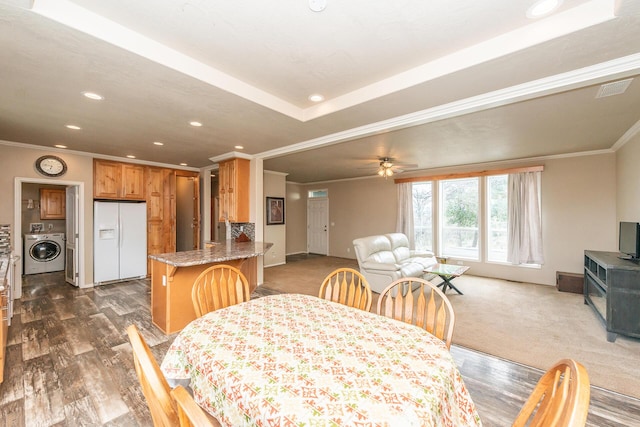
x: 43, y: 253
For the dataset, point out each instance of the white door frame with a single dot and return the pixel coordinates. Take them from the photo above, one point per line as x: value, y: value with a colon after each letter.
x: 17, y: 226
x: 326, y: 222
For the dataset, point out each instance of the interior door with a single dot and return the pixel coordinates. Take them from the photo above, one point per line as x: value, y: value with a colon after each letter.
x: 72, y: 235
x: 196, y: 213
x: 317, y: 226
x: 187, y: 213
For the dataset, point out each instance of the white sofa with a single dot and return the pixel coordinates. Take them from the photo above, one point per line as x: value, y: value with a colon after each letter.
x: 387, y: 257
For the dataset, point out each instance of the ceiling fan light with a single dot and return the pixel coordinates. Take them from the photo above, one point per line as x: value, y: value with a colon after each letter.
x: 381, y: 171
x: 389, y: 172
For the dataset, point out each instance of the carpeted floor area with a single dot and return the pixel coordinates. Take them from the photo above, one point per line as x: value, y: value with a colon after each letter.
x: 534, y: 325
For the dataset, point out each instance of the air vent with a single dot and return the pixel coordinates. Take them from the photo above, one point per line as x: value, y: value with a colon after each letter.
x: 613, y: 88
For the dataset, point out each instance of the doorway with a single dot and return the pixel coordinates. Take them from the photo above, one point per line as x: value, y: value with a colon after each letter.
x: 317, y: 225
x: 187, y: 214
x: 21, y: 203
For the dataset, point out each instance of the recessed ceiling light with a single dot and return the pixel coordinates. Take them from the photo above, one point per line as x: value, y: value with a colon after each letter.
x: 542, y: 7
x: 196, y: 124
x: 183, y: 164
x: 131, y: 156
x: 239, y: 147
x: 317, y: 5
x: 60, y: 146
x: 74, y: 127
x: 158, y: 143
x: 316, y: 98
x: 94, y: 96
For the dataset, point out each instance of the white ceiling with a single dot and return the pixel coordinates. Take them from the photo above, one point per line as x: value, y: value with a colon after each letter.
x: 435, y: 83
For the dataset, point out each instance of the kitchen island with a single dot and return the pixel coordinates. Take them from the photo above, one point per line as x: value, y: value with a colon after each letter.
x: 173, y: 274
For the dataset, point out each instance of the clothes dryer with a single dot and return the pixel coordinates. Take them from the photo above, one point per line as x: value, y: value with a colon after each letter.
x: 43, y: 253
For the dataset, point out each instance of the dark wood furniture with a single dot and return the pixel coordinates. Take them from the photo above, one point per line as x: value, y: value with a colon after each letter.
x: 570, y: 282
x: 612, y: 289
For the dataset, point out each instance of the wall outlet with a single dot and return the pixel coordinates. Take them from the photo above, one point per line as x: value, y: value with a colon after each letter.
x: 459, y: 262
x: 348, y: 250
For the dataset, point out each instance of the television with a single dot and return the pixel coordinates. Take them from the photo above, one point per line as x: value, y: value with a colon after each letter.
x: 629, y: 240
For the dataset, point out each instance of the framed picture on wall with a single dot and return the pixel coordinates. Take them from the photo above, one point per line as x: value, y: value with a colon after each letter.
x: 36, y: 227
x: 275, y: 210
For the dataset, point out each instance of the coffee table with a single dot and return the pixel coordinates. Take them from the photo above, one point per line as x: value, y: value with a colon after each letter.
x: 447, y: 273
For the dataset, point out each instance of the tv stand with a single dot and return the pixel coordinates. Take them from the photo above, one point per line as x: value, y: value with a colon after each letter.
x: 612, y: 289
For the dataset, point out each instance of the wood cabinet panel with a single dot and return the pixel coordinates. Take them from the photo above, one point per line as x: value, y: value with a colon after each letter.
x: 118, y: 181
x: 169, y: 220
x: 234, y: 190
x: 52, y: 203
x: 133, y: 185
x: 106, y: 179
x: 154, y: 194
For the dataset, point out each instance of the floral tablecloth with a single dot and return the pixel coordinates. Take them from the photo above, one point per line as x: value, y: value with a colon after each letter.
x: 298, y: 360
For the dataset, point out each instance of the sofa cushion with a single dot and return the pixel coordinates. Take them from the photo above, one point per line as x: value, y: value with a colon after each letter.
x: 425, y: 261
x: 374, y: 249
x: 412, y: 269
x: 399, y: 246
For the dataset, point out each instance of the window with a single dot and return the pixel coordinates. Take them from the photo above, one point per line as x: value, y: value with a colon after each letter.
x: 465, y: 216
x: 423, y: 216
x: 459, y: 208
x: 497, y: 214
x: 316, y: 194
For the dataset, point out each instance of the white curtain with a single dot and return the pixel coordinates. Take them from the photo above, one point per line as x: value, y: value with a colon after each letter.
x: 404, y: 220
x: 525, y: 229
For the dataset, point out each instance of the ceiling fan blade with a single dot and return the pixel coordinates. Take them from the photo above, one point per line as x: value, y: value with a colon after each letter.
x: 405, y: 165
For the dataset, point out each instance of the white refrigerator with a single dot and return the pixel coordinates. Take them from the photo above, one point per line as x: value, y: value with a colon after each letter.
x: 119, y: 241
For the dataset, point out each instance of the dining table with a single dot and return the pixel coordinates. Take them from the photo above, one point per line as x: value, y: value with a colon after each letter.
x: 299, y: 360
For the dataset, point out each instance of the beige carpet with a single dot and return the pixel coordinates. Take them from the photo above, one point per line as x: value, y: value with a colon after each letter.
x: 530, y: 324
x: 537, y: 325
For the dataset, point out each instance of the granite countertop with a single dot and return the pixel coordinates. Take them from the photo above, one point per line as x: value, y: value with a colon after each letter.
x: 217, y: 252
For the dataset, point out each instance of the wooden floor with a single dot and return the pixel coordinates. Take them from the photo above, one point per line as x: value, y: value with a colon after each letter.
x: 69, y: 363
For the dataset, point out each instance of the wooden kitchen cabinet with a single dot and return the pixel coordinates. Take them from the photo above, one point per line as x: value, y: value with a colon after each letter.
x: 118, y: 181
x: 162, y: 210
x: 52, y: 203
x: 234, y: 190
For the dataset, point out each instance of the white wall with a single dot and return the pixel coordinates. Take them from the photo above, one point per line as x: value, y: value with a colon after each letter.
x: 628, y: 181
x: 18, y: 161
x: 578, y: 213
x: 296, y: 222
x: 274, y: 186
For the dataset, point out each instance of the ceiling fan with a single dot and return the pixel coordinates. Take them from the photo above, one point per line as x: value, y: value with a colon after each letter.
x: 388, y: 166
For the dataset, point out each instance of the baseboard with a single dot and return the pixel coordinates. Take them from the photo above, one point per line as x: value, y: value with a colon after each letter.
x: 275, y: 265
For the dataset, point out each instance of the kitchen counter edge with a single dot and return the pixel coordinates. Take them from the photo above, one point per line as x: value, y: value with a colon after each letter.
x: 218, y: 252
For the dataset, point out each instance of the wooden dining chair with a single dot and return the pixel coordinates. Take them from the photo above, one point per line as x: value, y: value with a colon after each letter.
x: 217, y: 287
x: 347, y: 286
x: 190, y: 413
x: 155, y: 388
x: 419, y: 302
x: 559, y: 399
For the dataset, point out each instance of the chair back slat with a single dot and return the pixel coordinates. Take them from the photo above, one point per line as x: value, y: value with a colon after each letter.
x: 559, y: 399
x: 154, y: 386
x: 217, y: 287
x: 419, y: 302
x: 347, y: 286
